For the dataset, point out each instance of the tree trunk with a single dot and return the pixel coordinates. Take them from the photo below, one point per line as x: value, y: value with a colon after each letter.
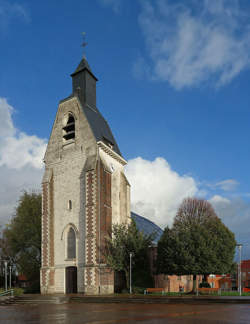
x: 205, y: 276
x: 127, y: 278
x: 194, y: 283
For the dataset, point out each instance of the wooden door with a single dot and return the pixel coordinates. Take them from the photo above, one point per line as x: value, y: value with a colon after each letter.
x: 71, y: 280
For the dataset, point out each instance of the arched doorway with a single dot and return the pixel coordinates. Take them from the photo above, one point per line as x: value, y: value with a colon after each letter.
x: 71, y: 280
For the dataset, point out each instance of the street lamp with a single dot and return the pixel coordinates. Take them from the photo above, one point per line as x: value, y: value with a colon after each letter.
x: 239, y: 269
x: 5, y: 270
x: 10, y: 276
x: 130, y: 272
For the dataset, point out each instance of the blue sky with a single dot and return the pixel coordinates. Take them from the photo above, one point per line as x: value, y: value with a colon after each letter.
x: 173, y: 84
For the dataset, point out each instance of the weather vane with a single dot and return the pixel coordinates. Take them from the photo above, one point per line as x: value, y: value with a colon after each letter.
x: 84, y: 44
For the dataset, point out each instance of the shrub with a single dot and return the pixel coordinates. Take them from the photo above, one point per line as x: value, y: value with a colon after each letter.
x: 204, y: 285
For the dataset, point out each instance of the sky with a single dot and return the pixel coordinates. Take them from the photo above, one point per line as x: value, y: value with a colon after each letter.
x: 174, y: 83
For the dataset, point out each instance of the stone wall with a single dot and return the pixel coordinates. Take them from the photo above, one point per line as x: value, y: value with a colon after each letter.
x: 91, y: 177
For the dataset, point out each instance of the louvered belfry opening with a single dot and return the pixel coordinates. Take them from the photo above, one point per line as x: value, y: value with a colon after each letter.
x: 69, y: 129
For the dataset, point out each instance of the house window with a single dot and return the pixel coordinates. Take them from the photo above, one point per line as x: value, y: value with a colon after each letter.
x: 69, y: 129
x: 70, y: 205
x: 71, y: 244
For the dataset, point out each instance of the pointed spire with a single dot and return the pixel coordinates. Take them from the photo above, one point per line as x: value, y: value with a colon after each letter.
x: 83, y: 65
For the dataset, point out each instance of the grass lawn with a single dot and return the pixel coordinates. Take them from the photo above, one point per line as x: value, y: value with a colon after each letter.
x: 17, y: 291
x: 182, y: 294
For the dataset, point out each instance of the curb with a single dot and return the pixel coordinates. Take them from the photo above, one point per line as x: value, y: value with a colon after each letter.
x: 162, y: 300
x: 50, y: 299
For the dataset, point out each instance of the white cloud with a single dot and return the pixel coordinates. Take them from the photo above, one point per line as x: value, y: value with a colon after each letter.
x: 227, y: 185
x: 157, y: 190
x: 13, y: 183
x: 21, y: 165
x: 114, y: 4
x: 217, y: 199
x: 7, y: 127
x: 235, y: 213
x: 18, y: 149
x: 210, y: 42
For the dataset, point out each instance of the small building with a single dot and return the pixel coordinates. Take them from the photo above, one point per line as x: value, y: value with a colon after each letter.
x: 171, y: 283
x: 175, y: 283
x: 224, y: 282
x: 245, y: 273
x: 22, y: 281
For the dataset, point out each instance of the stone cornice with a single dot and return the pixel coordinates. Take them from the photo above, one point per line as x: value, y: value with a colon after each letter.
x: 110, y: 152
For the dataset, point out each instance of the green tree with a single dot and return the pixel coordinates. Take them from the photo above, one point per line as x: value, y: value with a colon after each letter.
x: 123, y: 240
x: 21, y: 239
x: 172, y: 256
x: 198, y: 243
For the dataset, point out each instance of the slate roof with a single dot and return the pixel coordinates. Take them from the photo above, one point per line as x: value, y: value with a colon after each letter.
x: 84, y: 65
x: 100, y: 127
x: 146, y: 226
x: 98, y: 124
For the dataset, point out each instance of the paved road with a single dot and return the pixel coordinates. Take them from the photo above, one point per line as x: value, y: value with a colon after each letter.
x: 124, y: 313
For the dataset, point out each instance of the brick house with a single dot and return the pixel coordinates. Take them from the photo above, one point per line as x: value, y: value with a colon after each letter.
x: 225, y: 282
x: 171, y: 283
x: 245, y: 273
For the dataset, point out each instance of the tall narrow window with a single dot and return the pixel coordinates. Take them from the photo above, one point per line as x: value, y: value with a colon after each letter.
x: 71, y: 248
x: 69, y: 129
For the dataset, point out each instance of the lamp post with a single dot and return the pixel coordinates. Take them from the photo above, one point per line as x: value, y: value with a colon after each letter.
x: 6, y: 274
x: 239, y: 269
x: 130, y: 272
x: 10, y: 277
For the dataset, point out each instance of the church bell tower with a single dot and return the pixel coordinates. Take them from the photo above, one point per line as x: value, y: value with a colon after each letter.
x: 84, y: 191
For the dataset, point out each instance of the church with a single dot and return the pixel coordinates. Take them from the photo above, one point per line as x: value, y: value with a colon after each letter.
x: 84, y: 192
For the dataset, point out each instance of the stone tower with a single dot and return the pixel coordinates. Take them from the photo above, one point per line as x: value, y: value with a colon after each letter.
x: 84, y: 192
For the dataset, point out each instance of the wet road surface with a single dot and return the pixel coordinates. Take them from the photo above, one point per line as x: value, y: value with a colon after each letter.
x: 125, y: 313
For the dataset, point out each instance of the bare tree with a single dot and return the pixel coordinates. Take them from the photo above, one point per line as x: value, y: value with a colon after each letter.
x: 194, y: 211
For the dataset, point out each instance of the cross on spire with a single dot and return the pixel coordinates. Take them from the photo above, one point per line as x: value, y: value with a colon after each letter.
x: 84, y: 44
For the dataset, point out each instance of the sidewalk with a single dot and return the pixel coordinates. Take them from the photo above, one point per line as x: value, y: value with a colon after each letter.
x: 127, y: 299
x: 149, y: 299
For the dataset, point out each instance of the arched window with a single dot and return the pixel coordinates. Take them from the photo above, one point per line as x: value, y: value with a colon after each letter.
x: 69, y: 129
x: 71, y: 246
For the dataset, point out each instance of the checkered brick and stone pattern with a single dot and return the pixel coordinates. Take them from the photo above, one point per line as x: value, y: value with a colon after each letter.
x: 98, y: 277
x: 45, y: 237
x: 45, y: 226
x: 47, y: 270
x: 51, y: 223
x: 91, y: 231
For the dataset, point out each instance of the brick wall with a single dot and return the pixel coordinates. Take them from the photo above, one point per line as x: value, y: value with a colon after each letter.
x: 105, y: 209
